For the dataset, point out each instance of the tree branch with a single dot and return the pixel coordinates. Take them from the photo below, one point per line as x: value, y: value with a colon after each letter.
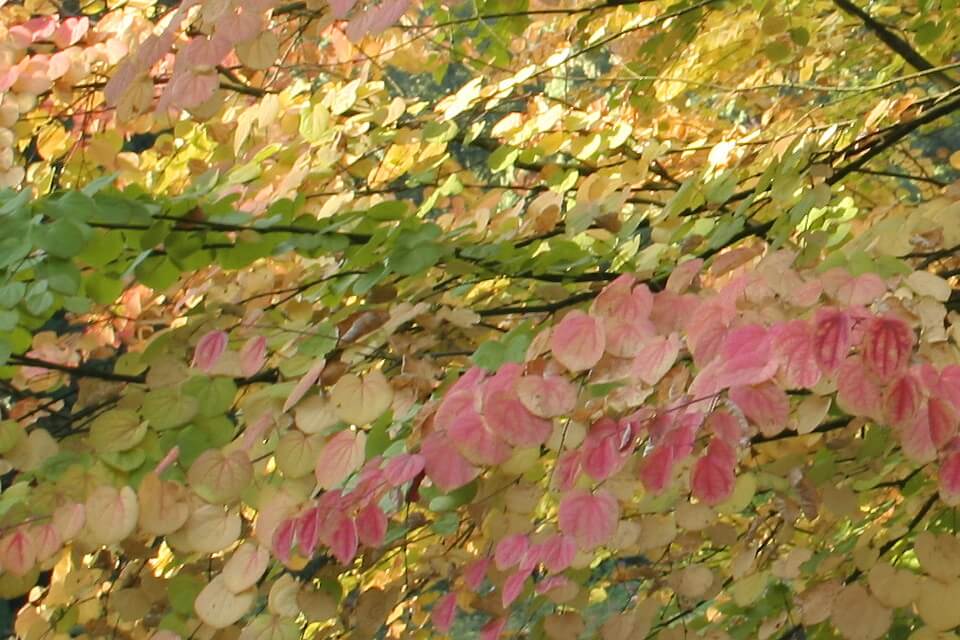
x: 900, y: 46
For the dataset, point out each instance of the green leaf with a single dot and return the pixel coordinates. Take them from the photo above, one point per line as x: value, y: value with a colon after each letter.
x: 103, y: 288
x: 182, y: 590
x: 503, y: 158
x: 12, y: 293
x: 168, y: 408
x: 65, y: 238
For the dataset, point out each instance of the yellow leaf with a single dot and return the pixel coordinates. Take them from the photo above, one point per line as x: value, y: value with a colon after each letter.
x: 359, y: 400
x: 218, y: 607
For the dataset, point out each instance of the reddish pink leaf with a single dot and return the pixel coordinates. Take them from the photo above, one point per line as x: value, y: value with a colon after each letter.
x: 453, y: 406
x: 283, y: 537
x: 344, y: 540
x: 671, y: 312
x: 765, y: 405
x: 18, y: 552
x: 746, y: 357
x: 942, y: 420
x: 655, y: 358
x: 853, y: 291
x: 376, y: 19
x: 681, y: 437
x: 47, y: 541
x: 340, y: 457
x: 547, y: 396
x: 683, y: 275
x: 372, y: 525
x: 794, y: 345
x: 857, y: 392
x: 70, y: 31
x: 831, y: 338
x: 340, y: 8
x: 917, y: 441
x: 624, y: 311
x: 706, y: 329
x: 304, y: 384
x: 590, y: 518
x: 712, y: 478
x: 476, y: 440
x: 551, y: 582
x: 510, y: 550
x: 887, y: 344
x: 203, y: 50
x: 506, y: 416
x: 726, y: 426
x: 403, y: 468
x: 253, y: 355
x: 444, y: 612
x: 566, y: 470
x: 308, y: 530
x: 493, y: 629
x: 209, y: 349
x: 902, y: 400
x: 950, y: 479
x: 444, y: 465
x: 475, y: 572
x: 559, y: 551
x: 949, y: 384
x: 577, y: 341
x: 513, y: 586
x: 601, y: 457
x: 657, y: 469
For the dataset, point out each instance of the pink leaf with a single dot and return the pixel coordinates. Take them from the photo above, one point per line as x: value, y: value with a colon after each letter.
x: 887, y: 344
x: 600, y: 456
x: 475, y: 572
x: 308, y: 530
x: 510, y: 550
x: 372, y: 525
x: 794, y: 345
x: 831, y: 338
x: 713, y: 475
x: 950, y: 479
x: 746, y: 357
x: 726, y: 426
x: 340, y: 8
x: 559, y: 551
x: 506, y: 416
x: 657, y: 469
x: 341, y: 456
x: 70, y: 31
x: 444, y: 465
x: 857, y: 393
x: 283, y: 537
x: 551, y: 582
x: 683, y: 275
x: 403, y: 468
x: 902, y: 400
x: 590, y: 518
x: 209, y: 349
x: 454, y: 405
x: 623, y: 297
x: 655, y: 358
x: 18, y: 553
x: 942, y: 420
x: 766, y: 405
x: 444, y: 612
x: 513, y: 586
x: 191, y: 89
x: 916, y: 440
x: 853, y: 291
x: 566, y: 470
x: 473, y: 437
x: 47, y: 541
x: 949, y: 382
x: 547, y: 396
x: 344, y: 541
x: 577, y: 341
x: 253, y: 355
x: 305, y: 383
x: 493, y: 629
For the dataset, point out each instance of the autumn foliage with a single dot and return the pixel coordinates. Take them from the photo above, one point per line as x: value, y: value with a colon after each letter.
x: 423, y: 318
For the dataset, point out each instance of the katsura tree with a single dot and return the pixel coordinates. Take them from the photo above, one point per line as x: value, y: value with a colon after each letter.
x: 414, y: 319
